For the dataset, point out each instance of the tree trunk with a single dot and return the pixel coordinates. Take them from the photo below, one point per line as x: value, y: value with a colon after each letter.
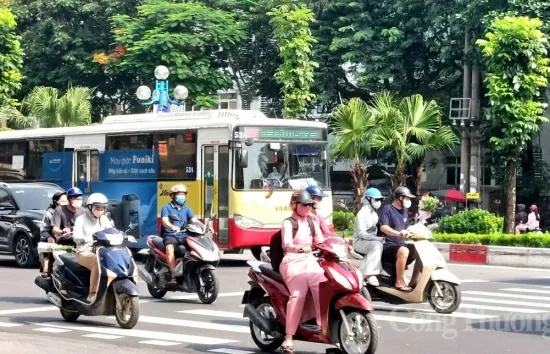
x: 510, y: 190
x: 359, y: 175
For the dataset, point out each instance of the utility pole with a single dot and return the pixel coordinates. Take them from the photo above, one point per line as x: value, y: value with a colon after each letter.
x: 465, y: 141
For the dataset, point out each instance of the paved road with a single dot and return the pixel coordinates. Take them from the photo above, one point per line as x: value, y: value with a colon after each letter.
x: 504, y: 310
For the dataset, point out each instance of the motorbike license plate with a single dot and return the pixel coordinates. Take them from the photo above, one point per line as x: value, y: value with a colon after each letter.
x: 245, y: 297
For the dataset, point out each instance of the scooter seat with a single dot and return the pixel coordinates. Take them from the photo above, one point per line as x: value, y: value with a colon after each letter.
x: 69, y: 259
x: 267, y: 269
x: 158, y: 242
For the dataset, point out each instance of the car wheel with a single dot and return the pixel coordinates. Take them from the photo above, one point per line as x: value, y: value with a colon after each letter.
x: 25, y: 256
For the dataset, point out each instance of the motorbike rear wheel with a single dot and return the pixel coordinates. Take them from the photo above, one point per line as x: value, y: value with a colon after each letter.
x: 128, y: 316
x: 209, y: 292
x: 264, y: 307
x: 69, y: 316
x: 155, y: 291
x: 366, y: 340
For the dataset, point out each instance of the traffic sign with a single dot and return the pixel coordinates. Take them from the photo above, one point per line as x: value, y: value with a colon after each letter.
x: 472, y: 196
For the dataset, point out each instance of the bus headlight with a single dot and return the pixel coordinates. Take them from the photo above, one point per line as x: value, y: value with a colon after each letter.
x: 246, y: 223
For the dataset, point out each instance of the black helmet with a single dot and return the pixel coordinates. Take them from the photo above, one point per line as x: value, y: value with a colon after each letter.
x: 403, y: 192
x: 301, y: 196
x: 56, y: 196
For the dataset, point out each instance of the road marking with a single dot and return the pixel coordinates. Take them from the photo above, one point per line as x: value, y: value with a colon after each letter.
x: 162, y: 343
x: 229, y: 351
x: 487, y: 266
x: 28, y: 310
x: 226, y: 314
x: 143, y: 334
x: 51, y: 330
x: 402, y: 319
x: 507, y: 302
x: 472, y: 316
x: 534, y: 291
x: 193, y: 324
x: 499, y: 308
x: 7, y: 325
x: 194, y: 296
x: 475, y: 281
x: 516, y: 296
x: 101, y: 336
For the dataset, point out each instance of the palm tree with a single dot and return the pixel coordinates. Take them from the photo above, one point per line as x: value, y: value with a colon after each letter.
x: 352, y: 125
x: 409, y: 129
x: 44, y: 108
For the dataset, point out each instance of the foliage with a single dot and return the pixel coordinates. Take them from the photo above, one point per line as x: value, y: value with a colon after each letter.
x: 343, y: 221
x: 291, y: 31
x: 11, y: 57
x: 351, y: 125
x: 190, y: 38
x: 517, y: 67
x: 496, y: 239
x: 429, y: 204
x: 45, y: 109
x: 471, y: 221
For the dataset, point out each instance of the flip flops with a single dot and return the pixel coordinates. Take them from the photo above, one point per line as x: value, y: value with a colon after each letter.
x: 287, y: 349
x: 405, y: 288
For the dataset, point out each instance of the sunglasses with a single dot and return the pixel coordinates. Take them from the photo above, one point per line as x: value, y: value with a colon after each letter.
x: 306, y: 205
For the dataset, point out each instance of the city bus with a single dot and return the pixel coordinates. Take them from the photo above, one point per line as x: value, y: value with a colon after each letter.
x: 237, y: 164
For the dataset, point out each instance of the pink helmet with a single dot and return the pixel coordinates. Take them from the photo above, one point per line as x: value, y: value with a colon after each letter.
x: 533, y: 208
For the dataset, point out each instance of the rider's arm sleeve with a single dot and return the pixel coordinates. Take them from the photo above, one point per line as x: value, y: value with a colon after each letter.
x: 318, y: 237
x: 78, y: 230
x: 56, y: 218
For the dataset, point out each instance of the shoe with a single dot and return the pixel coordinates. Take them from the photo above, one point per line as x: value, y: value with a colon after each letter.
x: 178, y: 270
x: 373, y: 280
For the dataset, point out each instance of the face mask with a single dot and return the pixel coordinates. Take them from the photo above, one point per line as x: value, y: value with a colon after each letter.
x: 376, y: 204
x: 98, y: 213
x: 180, y: 199
x: 63, y: 203
x: 302, y: 210
x: 407, y: 204
x: 76, y: 203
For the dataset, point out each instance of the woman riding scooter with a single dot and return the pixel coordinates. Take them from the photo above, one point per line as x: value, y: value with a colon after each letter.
x: 59, y: 198
x: 365, y: 239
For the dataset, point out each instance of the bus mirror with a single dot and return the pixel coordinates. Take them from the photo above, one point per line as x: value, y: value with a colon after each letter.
x: 275, y: 146
x: 243, y: 161
x: 249, y: 141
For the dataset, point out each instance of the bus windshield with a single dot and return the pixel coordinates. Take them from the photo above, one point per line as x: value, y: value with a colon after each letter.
x: 283, y: 166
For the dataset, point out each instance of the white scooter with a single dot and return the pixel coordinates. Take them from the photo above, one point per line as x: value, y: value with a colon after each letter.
x: 437, y: 284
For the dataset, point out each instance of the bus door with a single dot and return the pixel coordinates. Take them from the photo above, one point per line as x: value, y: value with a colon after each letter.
x: 215, y: 189
x: 86, y: 169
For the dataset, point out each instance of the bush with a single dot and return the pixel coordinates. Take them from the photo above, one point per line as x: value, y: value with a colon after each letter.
x: 429, y: 204
x: 474, y: 221
x: 343, y: 221
x: 496, y: 239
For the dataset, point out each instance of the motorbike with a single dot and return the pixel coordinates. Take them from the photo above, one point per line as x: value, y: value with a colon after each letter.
x: 437, y: 284
x: 347, y: 320
x: 117, y: 295
x: 198, y: 258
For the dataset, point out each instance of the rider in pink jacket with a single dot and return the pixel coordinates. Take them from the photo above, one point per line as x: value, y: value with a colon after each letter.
x: 299, y: 268
x: 317, y: 195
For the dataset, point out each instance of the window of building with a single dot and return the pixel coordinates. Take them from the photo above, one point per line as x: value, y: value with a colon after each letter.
x: 453, y: 170
x: 177, y: 155
x: 34, y: 157
x: 227, y: 101
x: 487, y: 176
x: 12, y: 160
x: 128, y: 142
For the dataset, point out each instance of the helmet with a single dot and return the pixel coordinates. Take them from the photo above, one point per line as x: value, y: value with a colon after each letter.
x: 315, y: 191
x: 74, y: 192
x: 403, y: 192
x: 178, y: 188
x: 373, y: 193
x: 57, y: 195
x: 301, y: 196
x: 97, y: 199
x: 533, y: 208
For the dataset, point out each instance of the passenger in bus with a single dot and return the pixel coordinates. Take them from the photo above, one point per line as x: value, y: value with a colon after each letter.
x: 64, y: 217
x: 59, y: 198
x: 174, y: 216
x: 317, y: 195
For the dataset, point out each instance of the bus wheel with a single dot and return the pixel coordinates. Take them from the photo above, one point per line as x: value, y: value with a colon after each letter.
x: 256, y: 252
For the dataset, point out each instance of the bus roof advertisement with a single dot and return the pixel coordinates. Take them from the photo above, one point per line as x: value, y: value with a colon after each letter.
x: 57, y: 166
x: 130, y: 164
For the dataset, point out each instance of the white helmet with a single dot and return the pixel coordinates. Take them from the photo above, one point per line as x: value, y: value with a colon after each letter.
x: 178, y: 188
x: 95, y: 200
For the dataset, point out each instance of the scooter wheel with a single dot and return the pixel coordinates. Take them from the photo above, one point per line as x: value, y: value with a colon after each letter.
x: 365, y: 320
x: 451, y: 297
x: 69, y: 316
x: 209, y: 292
x: 128, y: 317
x: 267, y: 345
x: 156, y: 292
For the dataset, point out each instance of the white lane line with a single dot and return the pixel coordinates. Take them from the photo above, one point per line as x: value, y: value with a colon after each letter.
x: 101, y: 336
x: 161, y: 343
x: 51, y: 330
x: 499, y: 308
x: 226, y: 314
x: 229, y: 351
x: 521, y: 290
x: 515, y: 296
x: 193, y: 324
x: 402, y: 319
x: 194, y: 296
x: 143, y: 334
x: 28, y: 310
x: 472, y: 316
x: 507, y: 302
x: 8, y: 325
x: 475, y: 281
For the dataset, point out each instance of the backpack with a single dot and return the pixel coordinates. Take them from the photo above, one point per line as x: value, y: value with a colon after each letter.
x: 276, y: 252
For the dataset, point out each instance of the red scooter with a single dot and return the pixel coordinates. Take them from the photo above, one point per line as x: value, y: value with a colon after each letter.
x: 347, y: 321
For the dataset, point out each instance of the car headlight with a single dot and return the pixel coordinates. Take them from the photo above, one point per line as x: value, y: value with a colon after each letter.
x: 246, y: 223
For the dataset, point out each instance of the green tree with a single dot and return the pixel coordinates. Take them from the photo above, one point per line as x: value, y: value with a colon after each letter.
x: 190, y: 38
x: 291, y: 29
x: 11, y: 57
x: 352, y: 125
x: 516, y: 61
x: 44, y: 108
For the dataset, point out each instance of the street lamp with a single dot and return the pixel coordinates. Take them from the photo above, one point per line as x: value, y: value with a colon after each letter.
x: 160, y: 94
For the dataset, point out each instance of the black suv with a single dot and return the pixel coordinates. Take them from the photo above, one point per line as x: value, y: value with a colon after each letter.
x: 22, y: 208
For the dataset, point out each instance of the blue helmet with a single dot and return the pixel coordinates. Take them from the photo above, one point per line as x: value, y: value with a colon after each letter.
x: 373, y: 193
x: 74, y: 192
x: 315, y: 191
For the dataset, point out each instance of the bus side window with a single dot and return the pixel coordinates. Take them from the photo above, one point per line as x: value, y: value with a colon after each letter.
x: 128, y: 142
x: 177, y: 155
x: 34, y: 157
